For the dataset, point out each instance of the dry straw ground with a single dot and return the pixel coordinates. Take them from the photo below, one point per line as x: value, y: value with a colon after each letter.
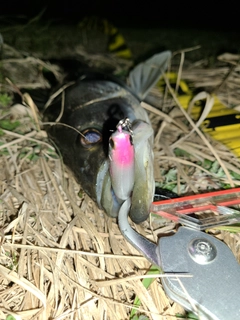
x: 61, y: 257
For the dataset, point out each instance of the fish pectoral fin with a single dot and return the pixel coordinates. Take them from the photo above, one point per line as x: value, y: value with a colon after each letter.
x: 146, y: 74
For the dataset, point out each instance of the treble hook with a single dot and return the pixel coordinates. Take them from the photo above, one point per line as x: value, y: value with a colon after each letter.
x: 125, y: 123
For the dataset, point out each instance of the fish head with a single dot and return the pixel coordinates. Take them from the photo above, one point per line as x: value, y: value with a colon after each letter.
x: 90, y: 112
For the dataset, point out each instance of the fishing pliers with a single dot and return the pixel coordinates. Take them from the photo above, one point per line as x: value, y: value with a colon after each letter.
x: 211, y: 287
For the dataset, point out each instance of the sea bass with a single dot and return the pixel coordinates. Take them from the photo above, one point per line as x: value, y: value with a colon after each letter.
x: 87, y: 112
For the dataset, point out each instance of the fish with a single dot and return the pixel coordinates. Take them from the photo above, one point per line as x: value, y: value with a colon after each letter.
x: 84, y: 115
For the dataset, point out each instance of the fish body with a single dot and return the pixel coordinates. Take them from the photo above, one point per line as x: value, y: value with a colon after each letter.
x: 87, y: 112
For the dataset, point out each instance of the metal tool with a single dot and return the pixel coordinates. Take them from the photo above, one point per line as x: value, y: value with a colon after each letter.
x: 201, y: 211
x: 212, y: 287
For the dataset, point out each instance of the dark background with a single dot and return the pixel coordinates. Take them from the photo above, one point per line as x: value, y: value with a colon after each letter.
x: 195, y: 14
x: 148, y: 27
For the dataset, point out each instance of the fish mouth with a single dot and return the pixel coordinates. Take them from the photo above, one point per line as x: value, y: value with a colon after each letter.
x: 144, y: 183
x: 105, y: 197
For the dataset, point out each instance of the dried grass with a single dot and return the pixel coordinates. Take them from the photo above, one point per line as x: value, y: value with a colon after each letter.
x: 61, y: 257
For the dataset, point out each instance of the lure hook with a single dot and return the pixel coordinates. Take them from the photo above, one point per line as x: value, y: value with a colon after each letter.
x: 125, y: 124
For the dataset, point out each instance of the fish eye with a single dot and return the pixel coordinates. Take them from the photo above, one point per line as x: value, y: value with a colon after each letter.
x: 90, y: 137
x: 111, y: 142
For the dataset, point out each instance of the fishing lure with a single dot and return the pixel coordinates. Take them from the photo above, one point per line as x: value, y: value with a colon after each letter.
x: 121, y: 156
